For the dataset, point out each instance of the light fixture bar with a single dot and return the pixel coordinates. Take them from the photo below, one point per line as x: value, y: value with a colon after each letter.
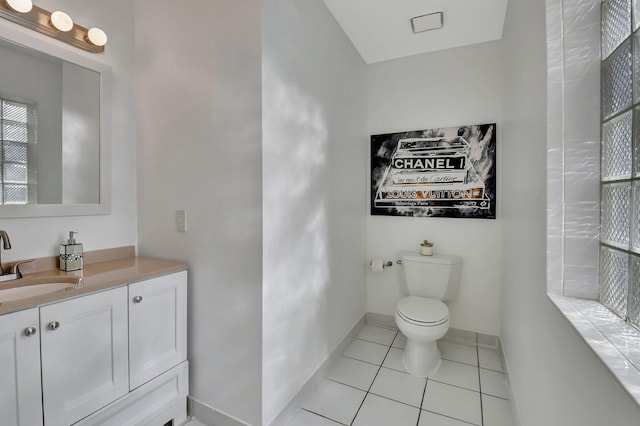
x: 39, y: 20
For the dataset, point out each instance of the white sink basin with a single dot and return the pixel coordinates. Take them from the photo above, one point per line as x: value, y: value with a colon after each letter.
x: 16, y: 293
x: 37, y: 287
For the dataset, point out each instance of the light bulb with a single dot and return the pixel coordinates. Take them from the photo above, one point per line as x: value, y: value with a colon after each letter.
x: 61, y: 21
x: 97, y: 36
x: 20, y: 6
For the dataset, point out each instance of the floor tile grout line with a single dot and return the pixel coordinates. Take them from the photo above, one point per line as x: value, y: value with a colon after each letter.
x: 374, y: 379
x: 395, y: 369
x: 361, y: 360
x: 495, y: 396
x: 449, y: 417
x: 455, y: 386
x: 323, y: 416
x: 371, y: 341
x: 458, y: 362
x: 345, y: 384
x: 424, y: 393
x: 491, y: 369
x: 395, y: 400
x: 435, y: 380
x: 379, y: 368
x: 480, y: 386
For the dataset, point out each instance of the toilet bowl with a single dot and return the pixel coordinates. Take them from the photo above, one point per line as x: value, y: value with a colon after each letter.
x: 422, y: 316
x: 423, y: 321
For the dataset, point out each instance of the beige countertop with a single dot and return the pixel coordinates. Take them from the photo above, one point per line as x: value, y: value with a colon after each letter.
x: 97, y: 276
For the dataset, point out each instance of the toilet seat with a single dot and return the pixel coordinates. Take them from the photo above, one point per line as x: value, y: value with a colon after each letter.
x: 422, y: 311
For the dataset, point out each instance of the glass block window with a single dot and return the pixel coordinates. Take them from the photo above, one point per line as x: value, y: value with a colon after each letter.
x: 619, y: 286
x: 616, y: 147
x: 616, y: 24
x: 16, y: 134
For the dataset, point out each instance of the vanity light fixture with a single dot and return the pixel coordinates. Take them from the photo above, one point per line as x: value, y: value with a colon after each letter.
x: 58, y: 25
x: 97, y: 36
x: 61, y: 21
x: 20, y: 6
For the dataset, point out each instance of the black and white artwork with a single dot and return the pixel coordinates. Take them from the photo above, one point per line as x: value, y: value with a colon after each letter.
x: 442, y: 172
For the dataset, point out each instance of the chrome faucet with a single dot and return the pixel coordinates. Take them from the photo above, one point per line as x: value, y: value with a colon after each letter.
x: 15, y: 269
x: 6, y: 244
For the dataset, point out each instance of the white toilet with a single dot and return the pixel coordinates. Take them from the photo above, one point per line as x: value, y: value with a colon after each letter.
x: 423, y: 317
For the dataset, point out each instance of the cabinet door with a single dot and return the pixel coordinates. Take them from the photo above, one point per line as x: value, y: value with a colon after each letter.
x: 84, y: 355
x: 20, y: 401
x: 157, y: 326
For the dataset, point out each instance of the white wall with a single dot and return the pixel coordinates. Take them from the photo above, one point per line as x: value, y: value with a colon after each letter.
x: 450, y: 88
x: 314, y: 193
x: 198, y: 91
x: 556, y: 379
x: 37, y: 237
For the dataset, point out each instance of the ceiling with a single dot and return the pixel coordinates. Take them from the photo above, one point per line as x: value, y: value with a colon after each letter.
x: 381, y: 29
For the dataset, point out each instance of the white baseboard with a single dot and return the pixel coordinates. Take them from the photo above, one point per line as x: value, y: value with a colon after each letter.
x: 512, y: 396
x: 210, y: 416
x: 382, y: 320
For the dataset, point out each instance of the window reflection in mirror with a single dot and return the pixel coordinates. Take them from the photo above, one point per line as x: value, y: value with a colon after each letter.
x: 49, y: 129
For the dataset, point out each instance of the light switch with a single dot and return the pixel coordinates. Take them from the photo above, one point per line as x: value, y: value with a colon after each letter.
x: 182, y: 221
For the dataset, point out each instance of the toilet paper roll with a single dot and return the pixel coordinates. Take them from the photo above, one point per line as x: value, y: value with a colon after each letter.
x: 377, y: 265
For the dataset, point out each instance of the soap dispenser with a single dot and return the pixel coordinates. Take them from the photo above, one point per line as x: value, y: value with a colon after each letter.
x: 71, y: 254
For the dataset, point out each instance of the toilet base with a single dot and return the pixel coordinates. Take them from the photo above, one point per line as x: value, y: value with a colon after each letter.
x: 421, y: 359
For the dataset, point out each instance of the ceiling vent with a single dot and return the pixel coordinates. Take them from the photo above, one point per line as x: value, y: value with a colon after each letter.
x: 428, y: 22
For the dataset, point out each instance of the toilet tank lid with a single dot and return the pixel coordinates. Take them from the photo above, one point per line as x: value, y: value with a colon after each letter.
x: 414, y: 256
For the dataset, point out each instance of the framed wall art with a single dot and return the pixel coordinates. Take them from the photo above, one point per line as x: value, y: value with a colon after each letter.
x: 441, y: 172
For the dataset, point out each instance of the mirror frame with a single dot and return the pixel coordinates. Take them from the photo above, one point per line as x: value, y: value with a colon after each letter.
x: 21, y: 36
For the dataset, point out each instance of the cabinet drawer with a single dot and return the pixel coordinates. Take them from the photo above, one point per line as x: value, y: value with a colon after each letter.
x: 155, y: 403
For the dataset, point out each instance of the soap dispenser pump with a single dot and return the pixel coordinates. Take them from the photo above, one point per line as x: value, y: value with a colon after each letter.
x: 71, y: 254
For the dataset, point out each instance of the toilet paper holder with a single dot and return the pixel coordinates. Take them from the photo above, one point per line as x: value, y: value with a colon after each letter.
x: 385, y: 264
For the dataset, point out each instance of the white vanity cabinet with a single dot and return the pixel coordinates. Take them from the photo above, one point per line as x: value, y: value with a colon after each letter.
x: 20, y: 402
x: 157, y: 326
x: 114, y: 358
x: 158, y: 369
x: 84, y: 355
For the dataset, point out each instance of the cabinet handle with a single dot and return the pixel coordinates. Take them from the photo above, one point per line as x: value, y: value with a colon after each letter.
x: 30, y: 331
x: 137, y: 299
x: 53, y: 325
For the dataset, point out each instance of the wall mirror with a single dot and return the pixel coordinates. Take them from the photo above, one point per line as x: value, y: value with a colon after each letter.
x: 54, y: 128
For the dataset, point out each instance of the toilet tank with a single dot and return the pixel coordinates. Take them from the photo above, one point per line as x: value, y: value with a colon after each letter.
x: 436, y: 277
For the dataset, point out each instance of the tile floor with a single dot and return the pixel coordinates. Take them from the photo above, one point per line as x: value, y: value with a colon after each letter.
x: 368, y: 385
